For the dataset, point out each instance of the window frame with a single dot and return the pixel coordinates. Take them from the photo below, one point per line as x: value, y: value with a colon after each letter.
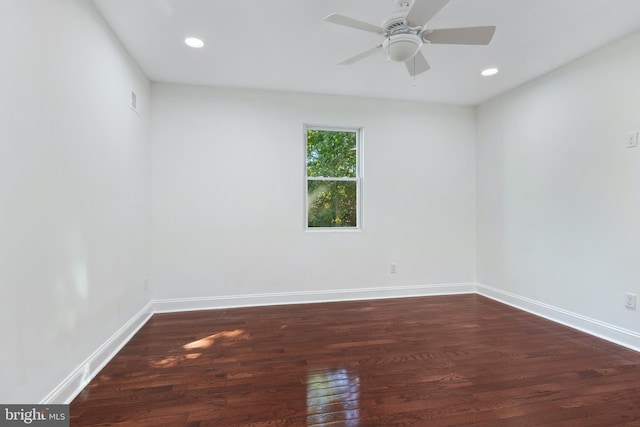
x: 358, y: 178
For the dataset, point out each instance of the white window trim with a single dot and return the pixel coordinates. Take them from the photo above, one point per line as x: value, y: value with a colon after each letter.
x: 358, y: 180
x: 329, y: 178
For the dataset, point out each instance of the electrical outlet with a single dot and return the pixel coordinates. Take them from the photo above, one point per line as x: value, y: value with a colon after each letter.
x: 632, y: 139
x: 393, y: 268
x: 630, y: 300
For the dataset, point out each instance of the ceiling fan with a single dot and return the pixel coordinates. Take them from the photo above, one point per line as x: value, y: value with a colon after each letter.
x: 405, y: 33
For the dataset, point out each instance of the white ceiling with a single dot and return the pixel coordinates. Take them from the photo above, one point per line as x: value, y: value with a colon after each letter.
x: 286, y: 45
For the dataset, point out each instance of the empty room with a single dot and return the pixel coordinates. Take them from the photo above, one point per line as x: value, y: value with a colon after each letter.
x: 320, y: 213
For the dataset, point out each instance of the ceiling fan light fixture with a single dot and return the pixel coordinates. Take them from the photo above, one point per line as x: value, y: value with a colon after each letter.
x: 402, y: 47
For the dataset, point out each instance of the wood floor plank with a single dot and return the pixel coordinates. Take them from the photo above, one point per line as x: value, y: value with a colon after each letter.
x: 459, y: 360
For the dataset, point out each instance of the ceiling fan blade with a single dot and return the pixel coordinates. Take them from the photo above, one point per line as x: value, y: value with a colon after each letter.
x: 470, y: 35
x: 360, y: 56
x: 417, y: 65
x: 334, y: 18
x: 423, y: 10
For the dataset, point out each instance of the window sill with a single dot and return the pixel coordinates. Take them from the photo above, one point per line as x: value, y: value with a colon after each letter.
x: 333, y: 229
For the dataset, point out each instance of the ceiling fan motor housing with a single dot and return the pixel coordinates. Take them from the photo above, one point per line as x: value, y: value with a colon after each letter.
x: 396, y: 23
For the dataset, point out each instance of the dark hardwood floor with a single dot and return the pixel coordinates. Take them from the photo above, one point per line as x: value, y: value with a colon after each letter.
x: 436, y: 361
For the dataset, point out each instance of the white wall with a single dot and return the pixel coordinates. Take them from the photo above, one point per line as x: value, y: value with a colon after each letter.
x: 228, y: 194
x: 74, y: 191
x: 558, y: 192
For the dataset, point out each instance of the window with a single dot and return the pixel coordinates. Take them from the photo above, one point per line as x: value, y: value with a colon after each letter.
x: 333, y: 178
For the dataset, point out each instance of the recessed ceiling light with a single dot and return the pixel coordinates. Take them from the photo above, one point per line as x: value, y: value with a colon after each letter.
x: 193, y: 42
x: 489, y: 72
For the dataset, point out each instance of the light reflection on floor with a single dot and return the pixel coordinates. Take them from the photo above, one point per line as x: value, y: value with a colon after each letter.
x: 333, y: 395
x: 194, y: 349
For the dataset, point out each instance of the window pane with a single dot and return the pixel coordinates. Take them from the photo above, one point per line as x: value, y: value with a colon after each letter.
x: 332, y: 203
x: 331, y: 153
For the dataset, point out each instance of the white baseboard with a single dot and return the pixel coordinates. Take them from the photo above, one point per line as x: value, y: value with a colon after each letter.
x: 307, y: 297
x: 71, y: 386
x: 606, y: 331
x: 80, y: 377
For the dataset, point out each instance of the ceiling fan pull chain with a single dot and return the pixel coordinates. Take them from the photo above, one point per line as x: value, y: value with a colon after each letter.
x: 388, y: 51
x: 414, y: 71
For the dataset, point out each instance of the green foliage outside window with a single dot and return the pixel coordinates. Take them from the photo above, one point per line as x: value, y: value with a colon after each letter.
x: 331, y: 155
